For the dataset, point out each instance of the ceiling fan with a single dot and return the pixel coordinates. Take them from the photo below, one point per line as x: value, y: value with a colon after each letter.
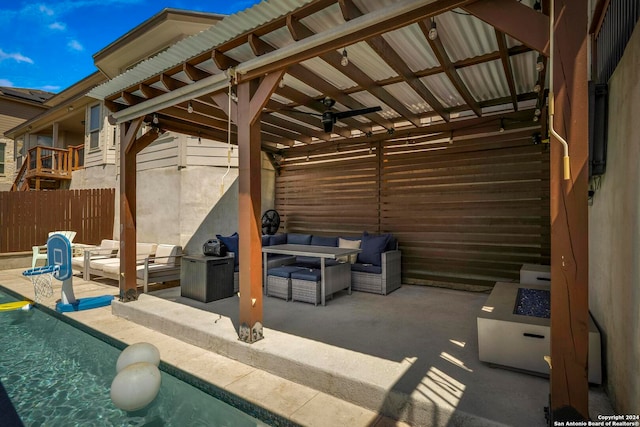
x: 329, y: 117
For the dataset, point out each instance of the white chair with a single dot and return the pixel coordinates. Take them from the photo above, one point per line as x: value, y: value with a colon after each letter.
x: 40, y: 252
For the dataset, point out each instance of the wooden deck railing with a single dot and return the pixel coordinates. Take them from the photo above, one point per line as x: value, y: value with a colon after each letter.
x: 48, y: 163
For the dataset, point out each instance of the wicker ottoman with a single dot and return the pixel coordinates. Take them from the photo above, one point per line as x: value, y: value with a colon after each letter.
x: 279, y: 281
x: 305, y: 285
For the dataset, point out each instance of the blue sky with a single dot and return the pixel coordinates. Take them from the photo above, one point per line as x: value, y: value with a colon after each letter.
x: 50, y: 45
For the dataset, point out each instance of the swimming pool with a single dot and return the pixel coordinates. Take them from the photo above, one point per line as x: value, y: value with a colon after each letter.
x: 57, y: 375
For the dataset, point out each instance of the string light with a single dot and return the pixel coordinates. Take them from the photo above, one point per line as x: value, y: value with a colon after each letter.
x: 345, y: 59
x: 536, y: 88
x: 155, y: 120
x: 501, y: 126
x: 189, y: 108
x: 537, y: 6
x: 433, y: 31
x: 539, y: 64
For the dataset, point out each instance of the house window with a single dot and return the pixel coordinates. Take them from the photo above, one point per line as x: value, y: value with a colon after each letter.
x: 94, y: 127
x: 2, y: 148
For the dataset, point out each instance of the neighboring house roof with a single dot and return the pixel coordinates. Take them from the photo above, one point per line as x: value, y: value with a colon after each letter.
x: 152, y: 35
x: 31, y: 95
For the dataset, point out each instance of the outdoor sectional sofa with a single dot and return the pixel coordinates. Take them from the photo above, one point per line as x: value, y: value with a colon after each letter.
x: 376, y: 269
x: 156, y: 263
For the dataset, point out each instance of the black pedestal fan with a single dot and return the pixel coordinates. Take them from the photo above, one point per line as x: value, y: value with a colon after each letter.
x: 270, y: 222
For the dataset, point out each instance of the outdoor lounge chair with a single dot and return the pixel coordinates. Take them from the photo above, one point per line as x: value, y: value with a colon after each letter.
x: 40, y: 252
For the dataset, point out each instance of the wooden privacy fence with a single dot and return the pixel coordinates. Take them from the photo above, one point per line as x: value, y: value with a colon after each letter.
x: 27, y: 217
x: 469, y: 213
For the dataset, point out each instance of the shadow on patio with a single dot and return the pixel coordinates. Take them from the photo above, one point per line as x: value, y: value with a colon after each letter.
x: 417, y: 347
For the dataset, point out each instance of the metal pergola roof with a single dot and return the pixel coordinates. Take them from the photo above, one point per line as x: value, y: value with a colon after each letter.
x: 469, y: 70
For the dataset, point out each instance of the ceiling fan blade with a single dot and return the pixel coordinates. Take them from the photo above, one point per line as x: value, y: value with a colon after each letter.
x: 344, y: 114
x: 303, y: 112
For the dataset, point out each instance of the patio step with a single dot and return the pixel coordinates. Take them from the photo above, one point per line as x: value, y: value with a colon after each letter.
x: 368, y: 381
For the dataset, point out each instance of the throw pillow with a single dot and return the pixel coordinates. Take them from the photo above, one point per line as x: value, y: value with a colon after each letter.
x: 349, y: 244
x: 278, y: 239
x: 372, y: 248
x: 231, y: 242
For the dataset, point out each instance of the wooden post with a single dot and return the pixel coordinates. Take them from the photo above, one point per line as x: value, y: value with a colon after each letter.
x: 569, y: 217
x: 252, y: 97
x: 129, y: 148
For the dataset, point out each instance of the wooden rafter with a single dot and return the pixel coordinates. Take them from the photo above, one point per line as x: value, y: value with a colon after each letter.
x: 516, y: 19
x: 450, y: 71
x: 260, y: 47
x: 506, y: 66
x: 391, y: 57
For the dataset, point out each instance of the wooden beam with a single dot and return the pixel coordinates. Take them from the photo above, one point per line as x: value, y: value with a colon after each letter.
x: 260, y: 47
x: 447, y: 65
x: 393, y: 59
x: 170, y: 83
x: 222, y: 61
x: 383, y: 25
x: 516, y: 19
x: 506, y: 66
x: 149, y: 91
x: 193, y: 72
x: 128, y: 150
x: 569, y: 216
x: 250, y: 190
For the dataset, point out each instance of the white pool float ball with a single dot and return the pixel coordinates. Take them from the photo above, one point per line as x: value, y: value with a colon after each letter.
x: 138, y: 352
x: 135, y: 386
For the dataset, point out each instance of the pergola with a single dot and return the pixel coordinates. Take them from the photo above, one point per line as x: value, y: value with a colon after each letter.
x: 265, y: 68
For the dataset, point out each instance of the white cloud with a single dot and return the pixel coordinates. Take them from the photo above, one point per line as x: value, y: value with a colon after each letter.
x: 18, y: 57
x: 6, y: 83
x: 75, y: 45
x: 50, y: 88
x: 58, y: 26
x: 46, y: 10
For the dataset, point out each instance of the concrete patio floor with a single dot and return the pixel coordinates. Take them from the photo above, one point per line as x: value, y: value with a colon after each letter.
x: 362, y: 360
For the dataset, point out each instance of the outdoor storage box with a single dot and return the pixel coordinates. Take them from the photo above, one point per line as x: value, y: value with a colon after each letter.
x: 206, y: 278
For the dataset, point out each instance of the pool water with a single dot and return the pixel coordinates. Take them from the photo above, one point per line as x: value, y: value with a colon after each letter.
x: 58, y: 375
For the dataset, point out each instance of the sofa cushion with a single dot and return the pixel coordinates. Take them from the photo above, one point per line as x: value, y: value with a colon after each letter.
x: 265, y: 240
x: 145, y: 250
x: 324, y: 241
x: 231, y: 242
x: 298, y: 239
x: 309, y: 274
x: 366, y: 268
x: 278, y: 239
x: 166, y: 254
x: 349, y: 244
x: 284, y: 271
x: 372, y: 248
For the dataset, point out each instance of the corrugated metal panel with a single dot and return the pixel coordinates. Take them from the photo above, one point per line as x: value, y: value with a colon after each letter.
x: 409, y: 97
x: 324, y: 20
x: 465, y: 36
x: 279, y: 38
x: 329, y: 73
x: 229, y: 27
x: 366, y: 59
x: 524, y: 70
x: 485, y: 81
x: 412, y: 46
x: 300, y: 86
x: 443, y: 90
x: 368, y: 100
